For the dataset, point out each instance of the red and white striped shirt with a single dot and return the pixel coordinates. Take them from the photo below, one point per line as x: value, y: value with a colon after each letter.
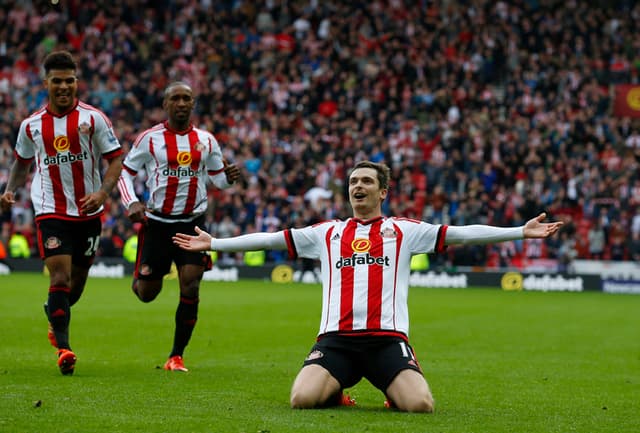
x: 176, y: 165
x: 365, y: 270
x: 67, y: 150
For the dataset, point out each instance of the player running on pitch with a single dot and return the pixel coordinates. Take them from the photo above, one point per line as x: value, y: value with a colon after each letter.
x: 178, y: 159
x: 67, y: 139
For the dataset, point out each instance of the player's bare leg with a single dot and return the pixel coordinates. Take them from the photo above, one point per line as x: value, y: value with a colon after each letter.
x: 410, y: 392
x: 190, y: 277
x: 313, y: 387
x: 79, y: 276
x: 146, y: 290
x: 59, y: 268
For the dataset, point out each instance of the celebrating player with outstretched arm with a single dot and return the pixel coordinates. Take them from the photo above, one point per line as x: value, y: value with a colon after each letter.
x: 365, y: 263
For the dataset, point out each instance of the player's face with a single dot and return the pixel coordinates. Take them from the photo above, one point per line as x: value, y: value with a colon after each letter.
x: 365, y: 194
x: 178, y: 104
x: 62, y: 85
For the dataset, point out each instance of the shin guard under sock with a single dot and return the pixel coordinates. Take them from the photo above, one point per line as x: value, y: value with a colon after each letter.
x: 59, y: 314
x: 186, y: 317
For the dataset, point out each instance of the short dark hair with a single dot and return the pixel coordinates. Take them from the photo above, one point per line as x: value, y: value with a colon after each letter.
x: 59, y: 60
x: 176, y: 84
x: 384, y: 172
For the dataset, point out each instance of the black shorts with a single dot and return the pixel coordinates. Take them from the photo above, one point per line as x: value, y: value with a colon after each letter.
x: 79, y: 239
x: 350, y: 358
x: 156, y: 249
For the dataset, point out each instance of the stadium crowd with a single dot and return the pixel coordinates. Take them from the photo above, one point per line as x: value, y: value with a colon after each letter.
x: 487, y: 111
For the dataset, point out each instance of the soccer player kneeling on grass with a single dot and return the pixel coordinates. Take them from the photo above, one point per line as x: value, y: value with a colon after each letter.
x: 365, y: 264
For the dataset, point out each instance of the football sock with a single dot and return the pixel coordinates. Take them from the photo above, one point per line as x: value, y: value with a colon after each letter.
x: 73, y: 298
x: 59, y: 314
x: 186, y: 317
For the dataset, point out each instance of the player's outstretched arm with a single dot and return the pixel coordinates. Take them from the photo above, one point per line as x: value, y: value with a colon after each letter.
x: 535, y: 228
x: 200, y: 242
x: 485, y: 234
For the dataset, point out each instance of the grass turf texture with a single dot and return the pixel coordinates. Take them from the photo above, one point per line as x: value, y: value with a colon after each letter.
x: 496, y: 362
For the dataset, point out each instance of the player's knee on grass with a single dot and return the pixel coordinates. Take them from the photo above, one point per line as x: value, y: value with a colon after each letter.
x: 413, y: 402
x: 308, y: 398
x: 423, y: 403
x: 409, y: 392
x: 313, y: 387
x: 301, y: 399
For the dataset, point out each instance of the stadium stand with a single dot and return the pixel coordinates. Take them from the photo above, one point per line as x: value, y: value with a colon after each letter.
x: 487, y: 111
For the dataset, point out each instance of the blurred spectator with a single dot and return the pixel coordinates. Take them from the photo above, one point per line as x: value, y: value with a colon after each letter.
x: 618, y: 249
x: 420, y: 262
x: 566, y: 253
x: 107, y: 246
x: 130, y: 247
x: 634, y: 247
x: 254, y: 258
x: 597, y: 239
x: 635, y: 222
x: 19, y: 246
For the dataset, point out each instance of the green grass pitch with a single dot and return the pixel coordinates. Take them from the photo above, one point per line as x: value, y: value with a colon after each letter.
x: 496, y: 362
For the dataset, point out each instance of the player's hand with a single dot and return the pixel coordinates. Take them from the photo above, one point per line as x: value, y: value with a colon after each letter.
x: 90, y: 203
x: 535, y: 228
x: 137, y: 212
x: 200, y: 242
x: 6, y: 201
x: 232, y: 172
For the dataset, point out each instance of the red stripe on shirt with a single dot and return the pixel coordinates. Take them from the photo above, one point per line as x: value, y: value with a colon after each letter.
x: 28, y: 131
x: 48, y: 136
x: 374, y: 297
x: 172, y: 181
x: 196, y: 157
x: 346, y: 276
x: 77, y: 167
x: 94, y: 161
x: 399, y: 236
